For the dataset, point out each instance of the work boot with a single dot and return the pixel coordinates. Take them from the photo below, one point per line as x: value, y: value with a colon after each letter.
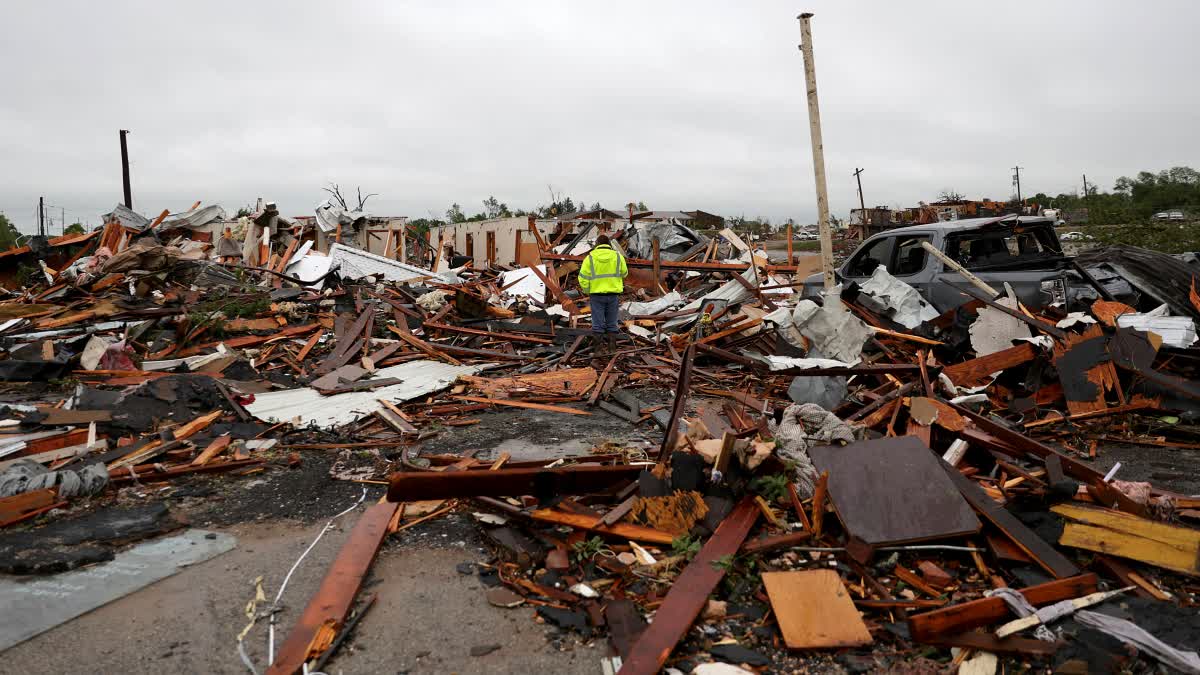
x: 599, y: 346
x: 610, y: 339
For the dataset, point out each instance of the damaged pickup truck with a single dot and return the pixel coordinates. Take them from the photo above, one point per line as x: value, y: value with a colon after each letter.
x: 1022, y: 252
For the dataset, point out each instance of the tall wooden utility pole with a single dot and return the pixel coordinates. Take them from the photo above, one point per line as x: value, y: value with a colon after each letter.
x: 125, y: 169
x: 1085, y: 190
x: 41, y: 216
x: 861, y: 204
x: 1017, y: 180
x: 818, y: 150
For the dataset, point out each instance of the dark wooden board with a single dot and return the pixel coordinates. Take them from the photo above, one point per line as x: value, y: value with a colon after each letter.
x: 891, y: 491
x: 1034, y: 546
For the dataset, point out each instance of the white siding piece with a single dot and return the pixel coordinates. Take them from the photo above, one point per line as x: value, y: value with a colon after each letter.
x: 1176, y: 331
x: 307, y: 406
x: 355, y: 263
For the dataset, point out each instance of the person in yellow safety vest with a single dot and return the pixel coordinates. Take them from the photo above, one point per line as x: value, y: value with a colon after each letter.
x: 601, y: 276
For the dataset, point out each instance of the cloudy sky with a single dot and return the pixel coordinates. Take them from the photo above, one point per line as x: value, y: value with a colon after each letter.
x: 682, y: 105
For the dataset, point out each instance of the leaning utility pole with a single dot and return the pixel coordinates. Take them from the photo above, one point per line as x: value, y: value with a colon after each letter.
x: 125, y: 170
x: 1017, y: 180
x: 1085, y: 190
x: 818, y: 151
x: 862, y: 205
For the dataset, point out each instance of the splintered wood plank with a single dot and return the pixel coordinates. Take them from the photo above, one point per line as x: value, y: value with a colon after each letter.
x: 890, y: 491
x: 568, y: 382
x: 1085, y: 370
x: 814, y: 610
x: 331, y: 603
x: 218, y: 444
x: 13, y: 509
x: 1128, y: 536
x: 1032, y: 545
x: 524, y: 404
x: 932, y: 626
x: 593, y: 524
x: 976, y: 371
x: 689, y: 594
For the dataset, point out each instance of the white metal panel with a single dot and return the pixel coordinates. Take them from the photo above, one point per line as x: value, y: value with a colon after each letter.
x: 307, y: 406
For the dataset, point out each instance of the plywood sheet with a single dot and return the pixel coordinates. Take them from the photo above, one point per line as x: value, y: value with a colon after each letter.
x: 814, y: 610
x: 892, y: 490
x: 1128, y: 536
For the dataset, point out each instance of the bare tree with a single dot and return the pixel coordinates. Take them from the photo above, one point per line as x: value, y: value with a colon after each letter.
x: 950, y: 195
x: 336, y: 191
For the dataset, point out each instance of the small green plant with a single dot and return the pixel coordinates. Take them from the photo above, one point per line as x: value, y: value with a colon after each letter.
x: 726, y: 563
x: 582, y: 551
x: 686, y: 546
x: 772, y: 488
x: 738, y: 570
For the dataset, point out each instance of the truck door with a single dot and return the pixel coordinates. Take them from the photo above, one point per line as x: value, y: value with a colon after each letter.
x: 911, y: 263
x: 872, y: 254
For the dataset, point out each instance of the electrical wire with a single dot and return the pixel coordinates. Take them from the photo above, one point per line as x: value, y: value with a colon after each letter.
x: 274, y: 609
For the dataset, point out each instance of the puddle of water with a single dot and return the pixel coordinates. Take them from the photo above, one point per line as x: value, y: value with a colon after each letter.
x: 525, y: 449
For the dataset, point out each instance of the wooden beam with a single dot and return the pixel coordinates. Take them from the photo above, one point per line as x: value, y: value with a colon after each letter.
x: 593, y: 524
x: 689, y: 593
x: 576, y: 480
x: 1128, y: 536
x: 965, y: 616
x: 329, y: 606
x: 1034, y: 546
x: 523, y: 404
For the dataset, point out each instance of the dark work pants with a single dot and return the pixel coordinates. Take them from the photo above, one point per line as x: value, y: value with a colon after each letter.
x: 604, y: 312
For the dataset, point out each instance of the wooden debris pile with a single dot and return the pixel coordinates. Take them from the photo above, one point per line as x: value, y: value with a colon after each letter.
x: 950, y: 459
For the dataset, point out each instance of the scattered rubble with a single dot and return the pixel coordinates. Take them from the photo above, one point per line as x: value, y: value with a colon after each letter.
x: 854, y: 481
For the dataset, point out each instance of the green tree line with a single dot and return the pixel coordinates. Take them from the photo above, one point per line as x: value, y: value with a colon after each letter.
x: 1135, y: 199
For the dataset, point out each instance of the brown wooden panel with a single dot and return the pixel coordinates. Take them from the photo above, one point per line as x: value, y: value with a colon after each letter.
x: 814, y: 610
x: 890, y: 490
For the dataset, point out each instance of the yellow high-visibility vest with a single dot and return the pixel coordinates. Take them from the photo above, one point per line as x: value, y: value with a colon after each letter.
x: 603, y: 271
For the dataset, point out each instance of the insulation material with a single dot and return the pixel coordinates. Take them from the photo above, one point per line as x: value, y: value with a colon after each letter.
x: 93, y: 351
x: 900, y: 301
x: 994, y: 330
x: 653, y: 306
x: 832, y: 331
x: 524, y: 282
x: 307, y: 406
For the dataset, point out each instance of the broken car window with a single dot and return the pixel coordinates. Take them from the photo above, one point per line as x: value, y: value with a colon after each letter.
x: 909, y: 257
x: 872, y: 255
x: 1001, y: 246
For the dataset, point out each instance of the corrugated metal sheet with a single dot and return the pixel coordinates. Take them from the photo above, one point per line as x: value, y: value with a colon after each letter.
x: 198, y: 217
x: 310, y: 407
x: 356, y: 263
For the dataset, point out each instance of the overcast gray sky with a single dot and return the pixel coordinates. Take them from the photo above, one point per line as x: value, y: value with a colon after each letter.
x: 683, y: 105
